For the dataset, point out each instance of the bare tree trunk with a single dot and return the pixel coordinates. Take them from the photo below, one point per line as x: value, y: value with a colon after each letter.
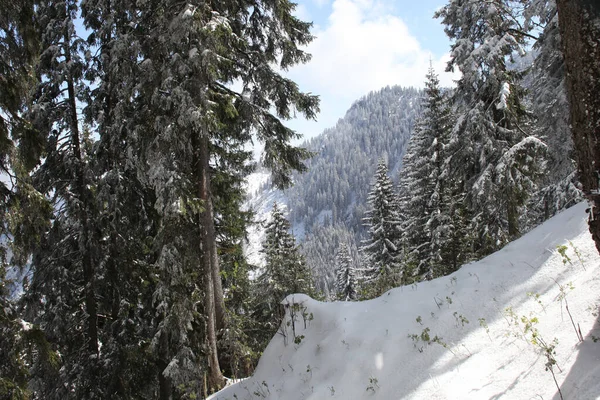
x: 210, y: 264
x: 579, y: 24
x: 82, y: 192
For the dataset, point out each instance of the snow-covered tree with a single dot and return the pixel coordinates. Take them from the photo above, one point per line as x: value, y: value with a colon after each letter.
x: 427, y: 185
x: 494, y: 156
x: 345, y: 275
x: 189, y: 57
x: 285, y: 272
x: 382, y: 257
x: 579, y: 24
x: 549, y: 105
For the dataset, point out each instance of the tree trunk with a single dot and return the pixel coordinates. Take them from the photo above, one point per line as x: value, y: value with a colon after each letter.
x: 81, y: 192
x: 212, y: 279
x: 579, y: 24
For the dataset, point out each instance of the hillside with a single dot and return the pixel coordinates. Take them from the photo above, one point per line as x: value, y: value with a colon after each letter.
x: 462, y: 336
x: 327, y: 203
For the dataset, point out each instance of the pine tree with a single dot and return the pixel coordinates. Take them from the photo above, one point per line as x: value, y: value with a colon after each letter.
x: 345, y: 275
x: 285, y: 273
x: 188, y: 59
x: 426, y: 184
x: 547, y: 94
x: 63, y: 297
x: 382, y: 257
x: 497, y: 161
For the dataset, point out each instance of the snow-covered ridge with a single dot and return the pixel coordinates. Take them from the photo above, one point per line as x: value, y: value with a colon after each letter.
x: 458, y: 337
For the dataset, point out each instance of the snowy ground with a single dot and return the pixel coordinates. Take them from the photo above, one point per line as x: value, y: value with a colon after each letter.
x: 386, y: 348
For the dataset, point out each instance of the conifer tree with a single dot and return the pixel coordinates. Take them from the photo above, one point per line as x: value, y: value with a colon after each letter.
x: 345, y: 275
x: 548, y: 97
x: 382, y: 257
x: 62, y: 297
x: 189, y: 58
x: 426, y: 183
x: 579, y: 24
x: 285, y: 273
x: 495, y: 157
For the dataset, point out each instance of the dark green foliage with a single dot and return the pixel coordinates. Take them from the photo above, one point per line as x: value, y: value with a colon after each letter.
x: 285, y: 273
x: 382, y: 256
x: 427, y: 185
x: 346, y: 283
x: 493, y: 154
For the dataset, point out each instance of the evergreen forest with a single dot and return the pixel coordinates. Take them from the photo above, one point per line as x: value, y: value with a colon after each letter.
x: 126, y: 134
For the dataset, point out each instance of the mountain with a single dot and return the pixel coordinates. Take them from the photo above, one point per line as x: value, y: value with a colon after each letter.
x: 326, y: 204
x: 500, y: 327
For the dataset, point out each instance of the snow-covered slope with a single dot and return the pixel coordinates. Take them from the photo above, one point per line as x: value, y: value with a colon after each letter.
x: 260, y: 198
x: 462, y: 336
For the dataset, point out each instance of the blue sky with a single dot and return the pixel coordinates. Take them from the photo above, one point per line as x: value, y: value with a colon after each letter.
x: 364, y: 45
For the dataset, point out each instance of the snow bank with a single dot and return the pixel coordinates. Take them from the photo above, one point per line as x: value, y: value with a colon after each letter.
x: 458, y: 337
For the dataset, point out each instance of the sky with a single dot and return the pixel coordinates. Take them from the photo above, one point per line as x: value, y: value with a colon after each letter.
x: 365, y: 45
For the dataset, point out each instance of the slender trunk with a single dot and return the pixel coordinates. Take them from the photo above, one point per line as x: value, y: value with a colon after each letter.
x: 81, y: 192
x: 164, y: 384
x: 210, y: 264
x: 579, y: 24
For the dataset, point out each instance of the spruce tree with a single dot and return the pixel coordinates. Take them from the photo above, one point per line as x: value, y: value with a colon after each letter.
x: 495, y: 158
x: 426, y: 184
x: 62, y: 297
x: 345, y: 275
x: 548, y: 98
x: 382, y: 257
x: 188, y: 58
x: 285, y: 273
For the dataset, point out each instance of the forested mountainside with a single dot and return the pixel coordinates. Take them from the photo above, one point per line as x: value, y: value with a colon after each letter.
x: 334, y: 189
x: 327, y: 203
x: 471, y: 168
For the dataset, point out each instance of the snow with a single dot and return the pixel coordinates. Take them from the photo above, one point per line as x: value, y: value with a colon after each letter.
x: 504, y: 93
x: 457, y: 337
x: 261, y: 202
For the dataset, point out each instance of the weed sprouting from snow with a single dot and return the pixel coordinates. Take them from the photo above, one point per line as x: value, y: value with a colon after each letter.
x: 484, y: 325
x: 563, y: 296
x: 373, y: 385
x: 536, y: 297
x: 460, y: 319
x: 526, y: 328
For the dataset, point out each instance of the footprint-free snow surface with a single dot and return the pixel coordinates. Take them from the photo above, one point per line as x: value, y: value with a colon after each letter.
x: 488, y: 331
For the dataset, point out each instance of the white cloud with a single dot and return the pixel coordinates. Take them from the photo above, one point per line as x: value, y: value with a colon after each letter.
x: 302, y: 12
x: 363, y: 47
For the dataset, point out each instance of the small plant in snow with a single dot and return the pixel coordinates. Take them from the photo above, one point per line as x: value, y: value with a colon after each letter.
x: 332, y: 390
x: 485, y: 326
x: 420, y: 320
x: 373, y: 385
x: 562, y: 250
x: 528, y: 330
x: 460, y: 319
x: 261, y: 392
x: 425, y: 337
x: 577, y: 254
x: 536, y: 297
x: 448, y: 300
x: 563, y: 296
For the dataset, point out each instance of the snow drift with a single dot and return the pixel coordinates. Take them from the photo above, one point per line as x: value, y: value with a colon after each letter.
x: 487, y: 331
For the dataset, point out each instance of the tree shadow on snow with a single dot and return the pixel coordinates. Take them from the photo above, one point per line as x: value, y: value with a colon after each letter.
x: 582, y: 380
